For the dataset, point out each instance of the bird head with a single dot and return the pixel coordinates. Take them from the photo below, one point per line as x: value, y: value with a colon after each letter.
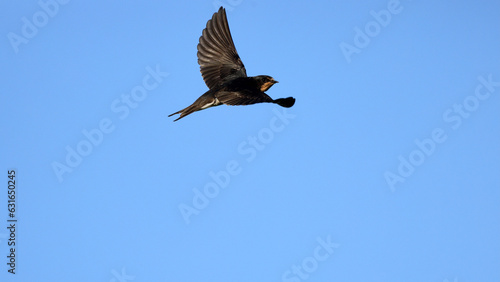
x: 265, y: 82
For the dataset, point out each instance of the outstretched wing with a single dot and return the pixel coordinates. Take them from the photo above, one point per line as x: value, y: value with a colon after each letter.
x: 217, y: 56
x: 247, y: 97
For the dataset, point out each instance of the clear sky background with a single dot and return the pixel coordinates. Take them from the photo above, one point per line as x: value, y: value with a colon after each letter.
x: 386, y: 169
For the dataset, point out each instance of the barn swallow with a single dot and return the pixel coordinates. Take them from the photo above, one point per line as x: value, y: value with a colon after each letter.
x: 224, y: 72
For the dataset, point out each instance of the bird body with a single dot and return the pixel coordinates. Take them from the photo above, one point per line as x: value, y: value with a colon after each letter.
x: 224, y: 72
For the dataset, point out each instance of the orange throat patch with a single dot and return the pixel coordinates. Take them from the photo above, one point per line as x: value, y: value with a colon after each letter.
x: 266, y: 86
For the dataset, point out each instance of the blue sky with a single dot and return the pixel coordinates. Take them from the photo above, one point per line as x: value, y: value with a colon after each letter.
x: 386, y: 168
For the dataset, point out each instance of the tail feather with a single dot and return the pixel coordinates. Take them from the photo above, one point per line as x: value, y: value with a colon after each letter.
x: 206, y: 100
x: 202, y: 103
x: 184, y: 112
x: 285, y: 102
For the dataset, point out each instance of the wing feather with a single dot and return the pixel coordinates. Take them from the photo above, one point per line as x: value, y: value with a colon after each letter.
x: 234, y: 98
x: 218, y: 59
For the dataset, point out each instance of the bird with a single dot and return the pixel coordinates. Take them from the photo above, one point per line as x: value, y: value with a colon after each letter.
x: 224, y: 73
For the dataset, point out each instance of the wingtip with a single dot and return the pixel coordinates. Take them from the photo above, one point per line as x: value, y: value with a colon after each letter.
x: 221, y: 10
x: 285, y: 102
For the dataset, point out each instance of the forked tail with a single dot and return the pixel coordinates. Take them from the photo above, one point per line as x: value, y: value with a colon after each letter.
x: 184, y: 112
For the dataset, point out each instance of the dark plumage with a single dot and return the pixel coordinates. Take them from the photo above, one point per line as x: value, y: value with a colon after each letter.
x: 224, y: 72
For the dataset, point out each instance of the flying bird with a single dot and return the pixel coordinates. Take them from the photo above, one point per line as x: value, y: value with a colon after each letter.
x: 224, y: 72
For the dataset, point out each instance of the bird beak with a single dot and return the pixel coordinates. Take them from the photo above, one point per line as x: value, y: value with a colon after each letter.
x: 275, y: 81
